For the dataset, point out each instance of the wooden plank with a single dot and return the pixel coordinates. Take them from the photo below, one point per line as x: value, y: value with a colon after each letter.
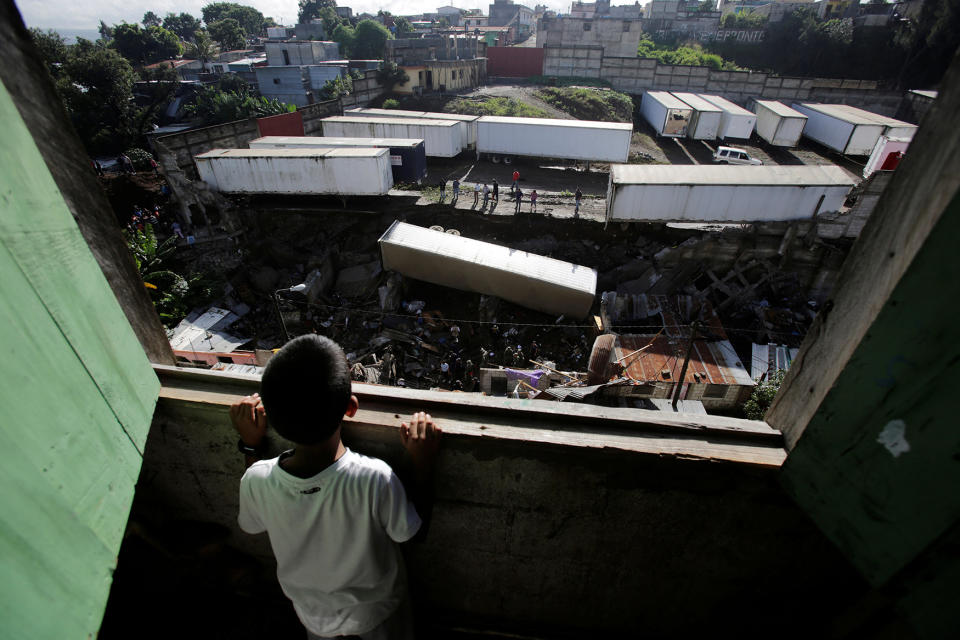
x: 48, y: 249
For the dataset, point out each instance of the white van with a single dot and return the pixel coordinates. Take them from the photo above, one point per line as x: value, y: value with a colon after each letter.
x: 732, y: 155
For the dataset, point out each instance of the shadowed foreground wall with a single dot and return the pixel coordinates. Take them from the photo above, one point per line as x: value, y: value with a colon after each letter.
x: 551, y: 538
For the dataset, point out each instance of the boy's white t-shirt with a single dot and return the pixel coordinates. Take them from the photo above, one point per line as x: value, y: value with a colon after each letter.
x: 334, y: 539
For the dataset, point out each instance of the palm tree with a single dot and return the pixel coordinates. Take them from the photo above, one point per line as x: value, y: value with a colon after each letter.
x: 202, y: 48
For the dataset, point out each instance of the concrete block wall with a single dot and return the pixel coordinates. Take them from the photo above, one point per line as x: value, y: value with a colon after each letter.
x: 636, y: 75
x: 555, y: 537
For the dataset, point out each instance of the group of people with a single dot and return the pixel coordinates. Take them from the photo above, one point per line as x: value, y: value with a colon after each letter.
x: 489, y: 194
x: 125, y: 165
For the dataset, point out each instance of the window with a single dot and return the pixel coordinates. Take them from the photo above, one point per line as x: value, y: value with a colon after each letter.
x: 276, y: 81
x: 286, y: 57
x: 626, y: 26
x: 586, y: 26
x: 715, y: 391
x: 225, y: 359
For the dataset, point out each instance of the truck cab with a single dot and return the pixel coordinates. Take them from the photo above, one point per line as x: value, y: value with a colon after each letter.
x: 732, y: 155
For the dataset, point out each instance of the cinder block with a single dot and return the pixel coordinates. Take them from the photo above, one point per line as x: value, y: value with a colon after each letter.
x: 681, y: 71
x: 697, y: 83
x: 719, y: 88
x: 870, y: 85
x: 648, y: 63
x: 773, y: 83
x: 699, y: 72
x: 757, y: 78
x: 736, y: 86
x: 850, y: 84
x: 828, y: 83
x: 790, y: 83
x: 806, y: 83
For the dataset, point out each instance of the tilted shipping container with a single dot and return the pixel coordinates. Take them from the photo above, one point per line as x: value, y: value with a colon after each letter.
x: 778, y: 124
x: 442, y: 138
x: 669, y: 116
x: 840, y: 129
x: 468, y: 128
x: 549, y: 138
x: 408, y: 157
x: 705, y: 118
x: 735, y: 121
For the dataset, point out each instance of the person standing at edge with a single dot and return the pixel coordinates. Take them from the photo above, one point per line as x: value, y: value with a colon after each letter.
x: 496, y: 191
x: 486, y: 196
x: 476, y: 193
x: 443, y: 189
x: 533, y: 201
x: 516, y: 180
x: 456, y: 192
x: 334, y: 517
x: 519, y: 200
x: 577, y: 197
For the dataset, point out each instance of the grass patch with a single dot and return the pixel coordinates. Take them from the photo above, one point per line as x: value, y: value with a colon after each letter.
x: 568, y: 81
x: 495, y: 107
x: 589, y: 104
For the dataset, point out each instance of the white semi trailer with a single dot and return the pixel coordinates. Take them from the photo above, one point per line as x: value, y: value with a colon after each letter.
x: 669, y: 116
x: 468, y: 127
x: 735, y: 121
x: 500, y: 137
x: 848, y: 130
x: 725, y: 193
x: 442, y: 138
x: 704, y: 119
x: 343, y: 172
x: 778, y: 124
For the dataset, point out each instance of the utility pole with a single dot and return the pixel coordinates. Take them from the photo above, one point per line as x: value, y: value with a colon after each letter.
x: 686, y: 361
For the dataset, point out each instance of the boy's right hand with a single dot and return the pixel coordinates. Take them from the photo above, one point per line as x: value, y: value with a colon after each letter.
x: 249, y: 419
x: 421, y: 438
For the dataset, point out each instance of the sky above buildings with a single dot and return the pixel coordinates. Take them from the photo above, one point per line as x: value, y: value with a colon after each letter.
x: 70, y: 14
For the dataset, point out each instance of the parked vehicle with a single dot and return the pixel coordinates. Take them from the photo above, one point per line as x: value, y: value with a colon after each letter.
x: 710, y: 193
x: 503, y: 138
x: 778, y: 124
x: 668, y: 115
x: 342, y: 172
x: 732, y: 155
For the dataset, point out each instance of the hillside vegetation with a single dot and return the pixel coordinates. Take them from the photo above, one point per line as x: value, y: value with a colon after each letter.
x: 589, y: 104
x: 495, y: 107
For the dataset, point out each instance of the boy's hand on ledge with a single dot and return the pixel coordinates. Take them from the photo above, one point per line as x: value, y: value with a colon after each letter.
x: 249, y: 419
x: 421, y: 438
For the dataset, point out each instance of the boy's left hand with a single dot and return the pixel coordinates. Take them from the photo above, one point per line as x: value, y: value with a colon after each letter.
x: 249, y: 419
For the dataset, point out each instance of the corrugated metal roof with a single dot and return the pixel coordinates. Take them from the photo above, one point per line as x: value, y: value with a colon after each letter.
x: 426, y: 122
x: 331, y: 141
x: 667, y: 99
x: 551, y: 122
x: 697, y: 102
x: 726, y: 105
x: 351, y: 152
x: 711, y: 362
x: 703, y: 174
x: 205, y: 332
x: 578, y: 393
x: 495, y: 256
x: 769, y: 358
x: 780, y: 109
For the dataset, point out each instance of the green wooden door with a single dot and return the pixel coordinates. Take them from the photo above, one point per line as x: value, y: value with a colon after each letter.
x: 77, y: 394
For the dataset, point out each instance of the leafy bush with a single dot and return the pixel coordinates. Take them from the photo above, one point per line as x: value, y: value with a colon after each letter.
x: 139, y: 158
x: 390, y: 103
x: 339, y: 86
x: 390, y: 74
x: 495, y: 107
x: 688, y: 54
x: 216, y: 107
x: 590, y: 104
x: 568, y: 81
x: 763, y: 395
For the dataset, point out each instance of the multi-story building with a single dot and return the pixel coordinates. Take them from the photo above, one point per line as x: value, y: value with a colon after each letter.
x: 439, y: 63
x: 297, y: 71
x: 451, y: 13
x: 505, y: 13
x: 617, y: 37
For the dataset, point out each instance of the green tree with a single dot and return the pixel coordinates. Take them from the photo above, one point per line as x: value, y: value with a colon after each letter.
x: 213, y: 106
x: 762, y: 397
x: 370, y: 40
x: 228, y: 33
x: 184, y: 25
x: 339, y: 86
x: 403, y: 26
x: 390, y: 74
x: 310, y: 9
x: 97, y: 90
x: 929, y: 43
x: 249, y: 18
x: 202, y: 48
x: 145, y: 46
x: 150, y: 19
x: 52, y: 49
x: 106, y: 32
x: 345, y: 36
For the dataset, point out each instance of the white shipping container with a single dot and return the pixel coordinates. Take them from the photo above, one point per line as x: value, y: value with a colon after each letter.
x: 705, y: 119
x: 839, y: 129
x: 778, y: 124
x: 468, y: 130
x: 442, y: 138
x: 881, y: 156
x: 527, y: 279
x: 669, y: 116
x: 735, y: 121
x: 725, y: 193
x: 892, y: 128
x: 297, y: 171
x: 548, y: 138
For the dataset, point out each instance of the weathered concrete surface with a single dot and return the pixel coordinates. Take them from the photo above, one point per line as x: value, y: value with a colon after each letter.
x: 540, y: 536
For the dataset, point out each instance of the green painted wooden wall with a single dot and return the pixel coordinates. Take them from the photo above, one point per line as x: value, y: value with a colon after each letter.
x: 77, y: 397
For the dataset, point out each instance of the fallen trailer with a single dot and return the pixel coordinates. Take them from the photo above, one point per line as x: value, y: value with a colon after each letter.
x: 727, y: 193
x: 886, y: 155
x: 585, y: 140
x: 705, y: 117
x: 527, y: 279
x: 735, y: 121
x: 343, y: 172
x: 669, y: 116
x: 468, y: 130
x: 839, y: 129
x: 408, y: 156
x: 441, y: 138
x: 778, y: 124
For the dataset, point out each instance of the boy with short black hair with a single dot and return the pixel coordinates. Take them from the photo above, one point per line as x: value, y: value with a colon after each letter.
x: 334, y: 517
